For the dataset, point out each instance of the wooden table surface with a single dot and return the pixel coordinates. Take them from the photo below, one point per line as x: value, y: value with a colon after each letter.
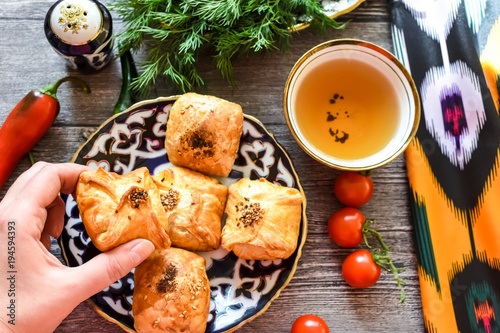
x: 27, y: 62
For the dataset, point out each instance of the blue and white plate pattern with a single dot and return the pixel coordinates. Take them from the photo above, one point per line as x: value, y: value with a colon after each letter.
x: 240, y: 289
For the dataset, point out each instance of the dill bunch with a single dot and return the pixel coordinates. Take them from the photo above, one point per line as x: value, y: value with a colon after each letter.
x: 174, y: 31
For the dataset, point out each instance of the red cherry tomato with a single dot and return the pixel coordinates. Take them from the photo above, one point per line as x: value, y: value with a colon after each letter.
x: 353, y: 189
x: 345, y: 227
x: 309, y: 324
x: 359, y: 270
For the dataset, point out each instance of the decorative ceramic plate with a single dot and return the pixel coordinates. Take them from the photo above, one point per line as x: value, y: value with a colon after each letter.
x: 240, y: 289
x: 333, y: 9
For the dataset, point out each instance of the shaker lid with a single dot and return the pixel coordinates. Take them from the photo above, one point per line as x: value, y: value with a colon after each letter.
x: 76, y: 21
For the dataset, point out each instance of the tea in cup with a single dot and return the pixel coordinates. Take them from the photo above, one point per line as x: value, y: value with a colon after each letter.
x: 351, y: 105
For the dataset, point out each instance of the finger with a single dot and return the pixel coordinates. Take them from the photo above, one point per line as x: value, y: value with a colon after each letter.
x: 55, y: 218
x: 36, y: 189
x: 108, y: 267
x: 45, y: 240
x: 25, y: 177
x: 48, y: 180
x: 14, y: 192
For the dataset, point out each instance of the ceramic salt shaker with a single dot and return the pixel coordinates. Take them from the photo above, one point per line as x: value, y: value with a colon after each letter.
x: 81, y: 32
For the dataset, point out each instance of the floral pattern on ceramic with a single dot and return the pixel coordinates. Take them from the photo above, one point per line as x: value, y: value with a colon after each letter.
x: 240, y: 289
x: 81, y: 32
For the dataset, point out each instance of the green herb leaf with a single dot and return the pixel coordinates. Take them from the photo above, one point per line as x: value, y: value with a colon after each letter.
x: 174, y: 31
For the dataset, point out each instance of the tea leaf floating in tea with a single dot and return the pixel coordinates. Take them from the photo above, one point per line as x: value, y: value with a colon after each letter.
x: 331, y: 117
x: 332, y: 101
x: 342, y: 139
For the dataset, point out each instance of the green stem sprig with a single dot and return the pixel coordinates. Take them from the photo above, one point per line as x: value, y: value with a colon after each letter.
x: 382, y: 257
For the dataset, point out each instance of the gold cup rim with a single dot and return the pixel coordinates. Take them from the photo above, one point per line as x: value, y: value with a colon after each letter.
x: 390, y: 58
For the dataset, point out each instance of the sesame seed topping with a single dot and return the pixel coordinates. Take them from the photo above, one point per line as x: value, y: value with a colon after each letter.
x: 170, y: 200
x: 194, y: 287
x: 137, y: 197
x: 250, y: 213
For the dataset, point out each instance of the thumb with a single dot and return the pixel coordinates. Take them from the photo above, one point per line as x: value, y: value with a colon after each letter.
x: 108, y: 267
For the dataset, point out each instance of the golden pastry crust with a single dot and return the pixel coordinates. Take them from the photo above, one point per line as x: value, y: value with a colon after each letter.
x: 263, y: 220
x: 203, y: 134
x: 116, y: 209
x: 194, y: 204
x: 171, y: 293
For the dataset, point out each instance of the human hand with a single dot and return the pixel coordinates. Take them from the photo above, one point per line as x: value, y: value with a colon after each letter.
x: 37, y: 290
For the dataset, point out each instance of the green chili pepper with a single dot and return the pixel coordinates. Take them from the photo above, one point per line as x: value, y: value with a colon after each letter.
x: 129, y: 72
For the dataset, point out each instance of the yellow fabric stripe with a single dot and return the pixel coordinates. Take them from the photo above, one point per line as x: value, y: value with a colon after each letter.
x: 449, y: 235
x: 490, y: 60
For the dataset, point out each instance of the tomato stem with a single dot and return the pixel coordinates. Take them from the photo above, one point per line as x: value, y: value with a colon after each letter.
x: 367, y: 230
x: 367, y: 173
x: 382, y: 258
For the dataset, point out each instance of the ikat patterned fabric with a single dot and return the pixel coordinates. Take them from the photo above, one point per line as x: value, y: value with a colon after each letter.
x: 452, y: 50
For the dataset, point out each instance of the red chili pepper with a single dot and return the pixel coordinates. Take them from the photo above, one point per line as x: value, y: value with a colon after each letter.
x: 27, y: 123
